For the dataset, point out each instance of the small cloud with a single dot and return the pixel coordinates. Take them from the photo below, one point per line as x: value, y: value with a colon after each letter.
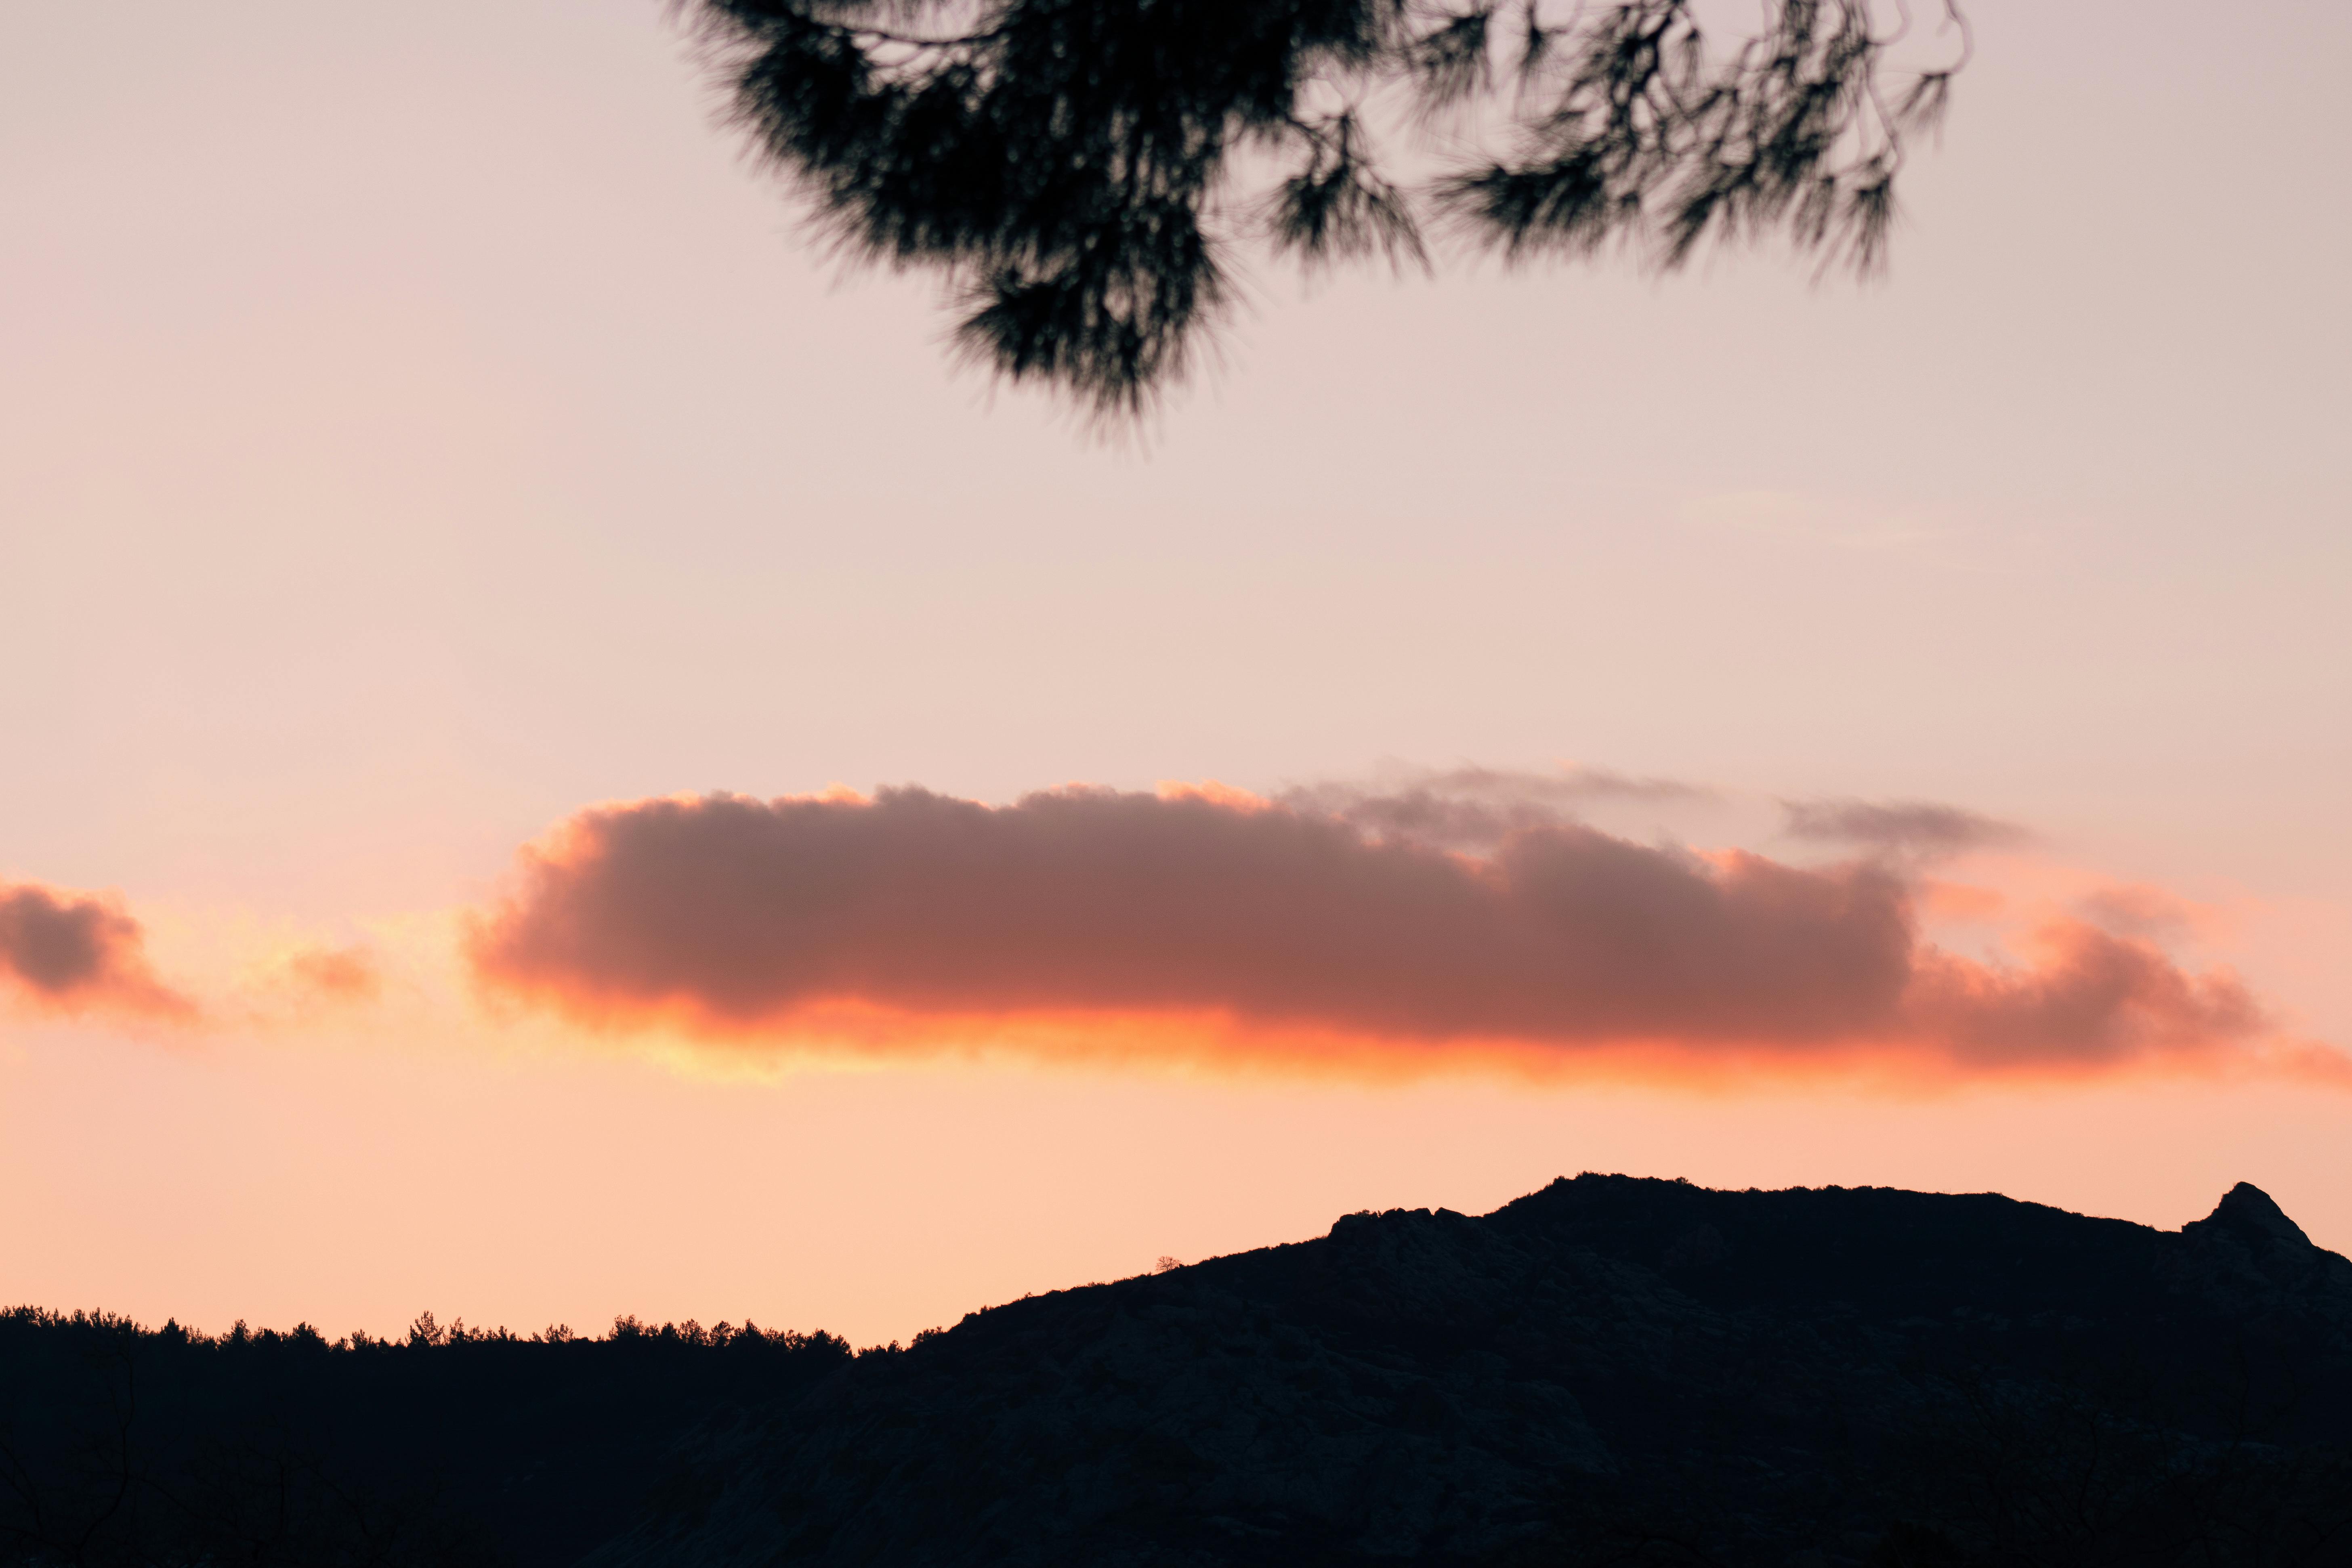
x: 1912, y: 829
x: 2138, y: 911
x: 69, y: 952
x: 1940, y: 900
x: 1567, y: 786
x: 1471, y: 807
x: 338, y: 974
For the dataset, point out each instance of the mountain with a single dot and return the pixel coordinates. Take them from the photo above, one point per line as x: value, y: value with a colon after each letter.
x: 1608, y: 1371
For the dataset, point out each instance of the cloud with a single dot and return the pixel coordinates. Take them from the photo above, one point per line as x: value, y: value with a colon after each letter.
x: 74, y: 953
x: 1215, y: 924
x: 337, y: 973
x: 1919, y: 829
x: 2152, y: 912
x: 1475, y: 808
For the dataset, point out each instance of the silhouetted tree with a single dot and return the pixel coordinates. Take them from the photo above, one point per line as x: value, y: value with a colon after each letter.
x: 1080, y: 170
x: 453, y: 1448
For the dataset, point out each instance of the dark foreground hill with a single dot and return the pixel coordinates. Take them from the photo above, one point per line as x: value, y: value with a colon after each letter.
x: 1610, y: 1371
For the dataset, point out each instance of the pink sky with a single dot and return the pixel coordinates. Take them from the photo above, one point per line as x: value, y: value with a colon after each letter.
x: 420, y: 429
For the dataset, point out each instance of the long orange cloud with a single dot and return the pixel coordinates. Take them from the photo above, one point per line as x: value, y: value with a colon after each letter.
x: 63, y: 952
x: 736, y: 918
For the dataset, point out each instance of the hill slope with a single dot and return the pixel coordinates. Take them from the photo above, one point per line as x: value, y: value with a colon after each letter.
x: 1609, y: 1370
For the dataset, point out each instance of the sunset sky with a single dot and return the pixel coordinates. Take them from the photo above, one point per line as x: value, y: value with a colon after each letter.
x: 564, y: 760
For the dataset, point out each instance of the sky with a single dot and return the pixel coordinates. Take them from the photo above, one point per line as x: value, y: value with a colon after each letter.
x: 564, y: 760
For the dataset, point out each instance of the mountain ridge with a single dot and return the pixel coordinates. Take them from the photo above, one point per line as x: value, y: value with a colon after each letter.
x: 1425, y: 1386
x: 1608, y: 1371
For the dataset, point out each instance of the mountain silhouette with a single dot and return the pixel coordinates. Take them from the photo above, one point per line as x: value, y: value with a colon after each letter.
x: 1608, y: 1371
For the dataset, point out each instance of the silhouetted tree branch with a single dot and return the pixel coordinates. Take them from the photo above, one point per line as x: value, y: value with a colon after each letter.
x: 1081, y: 169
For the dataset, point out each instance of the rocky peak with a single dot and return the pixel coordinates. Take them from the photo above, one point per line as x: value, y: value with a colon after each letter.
x: 2249, y: 1258
x: 2246, y: 1207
